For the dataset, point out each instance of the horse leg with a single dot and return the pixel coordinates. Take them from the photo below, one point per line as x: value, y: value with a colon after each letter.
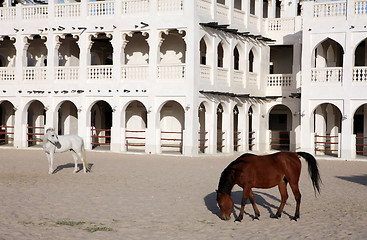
x: 254, y: 206
x: 82, y: 158
x: 246, y: 193
x: 75, y: 156
x: 50, y: 158
x: 283, y: 195
x: 297, y: 196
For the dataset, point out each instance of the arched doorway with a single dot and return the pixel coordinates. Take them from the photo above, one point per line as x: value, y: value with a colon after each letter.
x: 7, y: 120
x: 67, y: 118
x: 136, y: 124
x: 36, y: 121
x: 101, y: 123
x: 251, y: 130
x: 360, y: 130
x: 280, y: 125
x: 236, y: 132
x: 203, y: 133
x: 220, y: 132
x: 327, y: 128
x: 172, y: 125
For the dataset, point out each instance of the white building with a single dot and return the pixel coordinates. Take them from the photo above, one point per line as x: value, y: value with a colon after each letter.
x: 186, y: 76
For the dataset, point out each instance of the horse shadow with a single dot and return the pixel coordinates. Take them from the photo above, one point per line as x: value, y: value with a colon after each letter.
x: 211, y: 204
x: 71, y: 165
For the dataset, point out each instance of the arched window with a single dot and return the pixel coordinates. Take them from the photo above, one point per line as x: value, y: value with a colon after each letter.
x: 220, y: 53
x: 203, y: 52
x: 251, y: 61
x: 236, y: 62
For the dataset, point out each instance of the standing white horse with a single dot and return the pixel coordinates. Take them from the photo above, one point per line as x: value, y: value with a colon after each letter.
x: 55, y: 144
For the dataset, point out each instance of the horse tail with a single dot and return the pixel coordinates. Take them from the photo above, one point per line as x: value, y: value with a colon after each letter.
x: 312, y: 170
x: 84, y: 158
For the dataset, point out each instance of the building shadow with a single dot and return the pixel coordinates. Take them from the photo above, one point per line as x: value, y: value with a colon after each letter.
x: 360, y: 179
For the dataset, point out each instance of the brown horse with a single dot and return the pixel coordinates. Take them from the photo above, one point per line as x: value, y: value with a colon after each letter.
x: 252, y: 171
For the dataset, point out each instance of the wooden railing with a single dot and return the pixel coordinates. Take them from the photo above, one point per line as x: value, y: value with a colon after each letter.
x: 135, y: 139
x: 6, y: 134
x: 172, y: 140
x: 203, y: 139
x: 34, y: 135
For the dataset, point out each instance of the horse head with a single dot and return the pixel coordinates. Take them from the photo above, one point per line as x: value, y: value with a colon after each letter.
x: 51, y: 137
x: 225, y: 204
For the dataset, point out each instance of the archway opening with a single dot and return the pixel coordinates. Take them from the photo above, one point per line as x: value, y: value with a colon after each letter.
x: 101, y: 123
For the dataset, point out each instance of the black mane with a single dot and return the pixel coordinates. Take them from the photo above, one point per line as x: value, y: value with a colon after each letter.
x: 226, y: 179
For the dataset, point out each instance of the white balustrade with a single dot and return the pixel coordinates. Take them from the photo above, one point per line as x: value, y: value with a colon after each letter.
x: 360, y: 7
x: 327, y: 75
x: 171, y: 72
x: 239, y: 16
x: 100, y: 72
x: 104, y: 8
x: 135, y: 6
x: 330, y: 9
x: 252, y: 79
x: 205, y: 73
x: 135, y: 73
x: 279, y: 80
x: 360, y: 75
x: 254, y: 22
x: 67, y: 73
x: 222, y: 75
x: 34, y: 12
x: 222, y: 11
x: 34, y: 74
x: 7, y: 74
x: 281, y: 24
x: 238, y: 76
x: 170, y: 5
x: 7, y: 14
x: 69, y: 10
x: 204, y: 6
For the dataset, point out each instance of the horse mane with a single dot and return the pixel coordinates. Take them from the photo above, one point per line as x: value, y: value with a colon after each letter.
x: 226, y: 179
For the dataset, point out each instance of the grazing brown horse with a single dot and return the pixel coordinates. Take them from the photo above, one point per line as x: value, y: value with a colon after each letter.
x: 252, y: 171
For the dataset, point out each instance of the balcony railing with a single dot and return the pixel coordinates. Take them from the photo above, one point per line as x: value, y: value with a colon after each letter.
x: 360, y: 7
x: 359, y: 75
x: 222, y: 12
x: 7, y: 14
x: 170, y: 5
x: 135, y: 73
x: 252, y: 79
x: 222, y: 75
x: 204, y: 6
x: 106, y: 8
x: 280, y: 24
x: 34, y: 12
x: 327, y: 75
x: 34, y: 74
x: 205, y: 74
x: 67, y: 73
x: 330, y: 9
x: 238, y: 76
x: 7, y: 74
x: 279, y: 80
x: 135, y: 6
x: 100, y: 72
x: 70, y: 10
x: 171, y: 72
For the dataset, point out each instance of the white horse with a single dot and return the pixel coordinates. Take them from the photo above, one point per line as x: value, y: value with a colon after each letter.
x: 55, y: 144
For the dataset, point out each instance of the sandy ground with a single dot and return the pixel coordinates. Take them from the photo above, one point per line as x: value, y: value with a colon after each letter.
x: 129, y: 196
